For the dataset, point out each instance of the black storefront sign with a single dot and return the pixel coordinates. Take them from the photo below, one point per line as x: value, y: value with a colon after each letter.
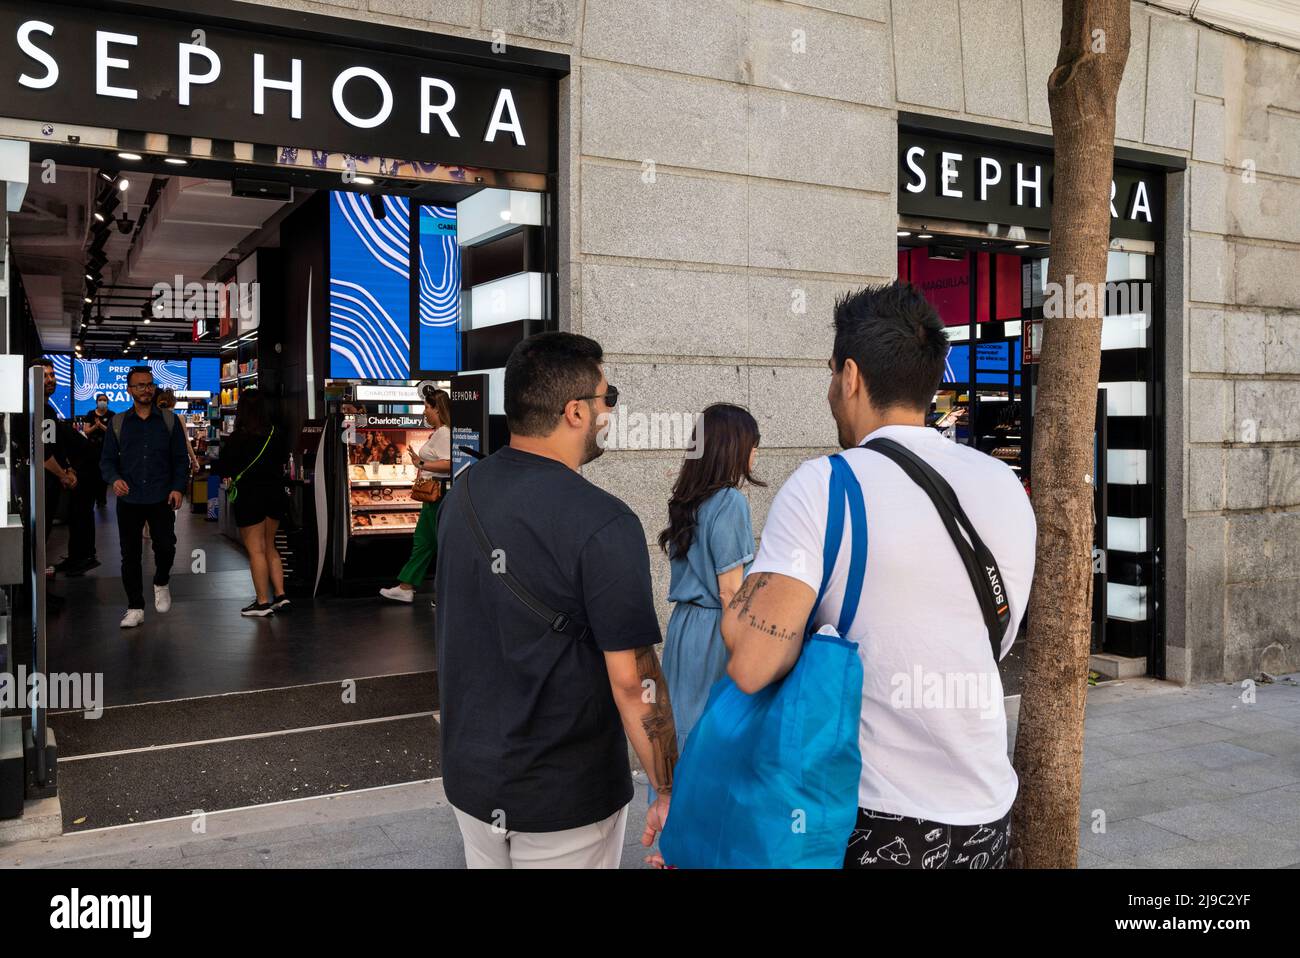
x: 73, y: 64
x: 996, y: 182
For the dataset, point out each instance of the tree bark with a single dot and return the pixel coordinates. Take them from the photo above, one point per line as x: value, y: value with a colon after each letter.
x: 1081, y: 92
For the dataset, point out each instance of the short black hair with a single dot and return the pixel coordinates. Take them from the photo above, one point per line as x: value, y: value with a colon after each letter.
x: 543, y: 374
x: 138, y: 369
x: 897, y: 341
x: 47, y: 362
x: 99, y: 396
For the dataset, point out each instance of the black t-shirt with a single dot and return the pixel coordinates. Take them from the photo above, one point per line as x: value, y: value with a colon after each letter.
x: 529, y: 725
x: 93, y: 417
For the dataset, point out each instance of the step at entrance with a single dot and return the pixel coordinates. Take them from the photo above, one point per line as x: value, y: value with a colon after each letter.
x: 168, y: 759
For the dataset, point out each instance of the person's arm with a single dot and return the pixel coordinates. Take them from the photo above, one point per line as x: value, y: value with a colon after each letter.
x: 729, y: 584
x: 180, y: 452
x: 764, y: 623
x: 730, y: 542
x: 614, y: 569
x: 109, y: 458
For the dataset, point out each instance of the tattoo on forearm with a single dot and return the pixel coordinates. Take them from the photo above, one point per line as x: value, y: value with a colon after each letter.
x: 657, y: 722
x: 748, y: 589
x: 775, y: 631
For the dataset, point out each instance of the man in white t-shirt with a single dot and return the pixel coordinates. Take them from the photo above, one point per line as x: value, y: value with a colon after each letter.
x: 937, y: 787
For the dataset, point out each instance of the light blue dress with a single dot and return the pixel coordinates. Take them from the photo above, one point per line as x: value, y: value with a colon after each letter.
x: 694, y: 656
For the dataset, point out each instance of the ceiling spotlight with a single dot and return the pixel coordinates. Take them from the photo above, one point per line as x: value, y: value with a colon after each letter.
x: 123, y: 184
x: 128, y: 156
x: 131, y: 343
x: 174, y: 160
x: 106, y: 177
x: 925, y: 236
x: 147, y: 320
x: 89, y: 277
x: 363, y: 180
x: 99, y: 217
x: 1022, y: 246
x: 124, y: 224
x: 904, y: 232
x: 88, y: 300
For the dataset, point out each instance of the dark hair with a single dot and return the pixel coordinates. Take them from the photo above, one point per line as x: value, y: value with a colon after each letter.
x: 138, y: 369
x: 441, y: 403
x: 729, y: 435
x: 47, y: 362
x: 99, y: 396
x: 253, y: 413
x: 897, y: 341
x: 543, y: 374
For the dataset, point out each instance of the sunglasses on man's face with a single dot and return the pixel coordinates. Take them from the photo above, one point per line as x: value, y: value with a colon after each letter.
x: 610, y: 395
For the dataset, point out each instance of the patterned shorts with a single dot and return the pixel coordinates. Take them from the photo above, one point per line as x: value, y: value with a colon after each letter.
x: 881, y: 840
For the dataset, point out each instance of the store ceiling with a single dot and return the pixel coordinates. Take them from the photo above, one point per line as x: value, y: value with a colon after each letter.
x: 190, y: 225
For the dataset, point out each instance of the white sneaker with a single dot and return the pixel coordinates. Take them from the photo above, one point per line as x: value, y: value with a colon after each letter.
x: 398, y: 594
x: 162, y: 598
x: 132, y: 618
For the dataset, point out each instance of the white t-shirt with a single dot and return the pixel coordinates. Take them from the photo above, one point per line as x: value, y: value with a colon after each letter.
x: 437, y: 447
x: 933, y: 734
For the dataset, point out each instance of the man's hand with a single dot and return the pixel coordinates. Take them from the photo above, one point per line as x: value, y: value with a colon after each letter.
x: 120, y: 487
x: 174, y: 499
x: 69, y: 478
x: 656, y: 817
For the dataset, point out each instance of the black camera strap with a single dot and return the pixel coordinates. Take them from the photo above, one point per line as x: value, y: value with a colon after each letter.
x: 985, y: 577
x: 560, y: 622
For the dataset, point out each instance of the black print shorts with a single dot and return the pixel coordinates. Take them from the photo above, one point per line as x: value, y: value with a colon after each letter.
x: 881, y: 840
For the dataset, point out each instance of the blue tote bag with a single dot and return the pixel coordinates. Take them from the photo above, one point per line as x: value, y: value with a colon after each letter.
x: 770, y: 780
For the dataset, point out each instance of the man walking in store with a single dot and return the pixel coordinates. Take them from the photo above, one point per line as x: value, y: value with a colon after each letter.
x: 546, y: 633
x: 936, y: 785
x: 147, y: 463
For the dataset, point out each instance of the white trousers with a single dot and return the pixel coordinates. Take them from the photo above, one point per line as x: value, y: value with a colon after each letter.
x: 599, y: 845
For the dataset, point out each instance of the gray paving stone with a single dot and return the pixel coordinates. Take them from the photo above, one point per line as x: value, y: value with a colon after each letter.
x: 1129, y: 838
x: 1254, y: 720
x: 350, y: 845
x: 1118, y: 803
x: 1178, y: 791
x: 1215, y: 755
x: 1192, y: 733
x: 1250, y: 777
x: 1277, y: 806
x: 1210, y: 821
x: 201, y: 846
x: 1235, y: 851
x: 1280, y: 743
x: 1138, y: 743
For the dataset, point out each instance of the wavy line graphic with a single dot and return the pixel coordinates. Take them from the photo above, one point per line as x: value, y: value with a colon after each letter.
x: 369, y: 299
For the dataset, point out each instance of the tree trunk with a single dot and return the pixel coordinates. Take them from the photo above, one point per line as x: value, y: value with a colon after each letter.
x: 1081, y: 92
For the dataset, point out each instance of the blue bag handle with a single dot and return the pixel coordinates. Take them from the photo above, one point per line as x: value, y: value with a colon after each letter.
x: 843, y: 485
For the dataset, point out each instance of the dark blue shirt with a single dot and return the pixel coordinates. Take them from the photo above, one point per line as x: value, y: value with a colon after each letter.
x: 150, y: 461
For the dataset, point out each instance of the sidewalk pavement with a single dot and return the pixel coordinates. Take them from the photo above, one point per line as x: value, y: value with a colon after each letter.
x: 1180, y: 778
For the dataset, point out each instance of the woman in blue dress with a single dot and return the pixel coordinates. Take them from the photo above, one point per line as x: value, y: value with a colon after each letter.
x: 710, y: 543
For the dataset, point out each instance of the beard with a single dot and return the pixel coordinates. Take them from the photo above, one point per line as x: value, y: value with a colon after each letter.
x: 594, y: 448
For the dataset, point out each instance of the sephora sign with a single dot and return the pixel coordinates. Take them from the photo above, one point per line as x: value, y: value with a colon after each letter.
x: 83, y: 66
x: 990, y: 182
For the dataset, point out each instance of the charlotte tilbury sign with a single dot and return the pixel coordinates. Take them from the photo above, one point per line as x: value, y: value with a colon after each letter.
x: 75, y: 64
x: 987, y: 181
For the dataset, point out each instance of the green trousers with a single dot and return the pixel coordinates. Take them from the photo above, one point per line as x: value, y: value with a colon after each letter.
x: 425, y: 546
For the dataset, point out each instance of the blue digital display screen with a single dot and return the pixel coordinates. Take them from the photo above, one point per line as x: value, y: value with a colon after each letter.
x: 991, y: 364
x: 62, y: 398
x: 109, y: 376
x: 439, y: 291
x: 370, y: 288
x: 205, y: 374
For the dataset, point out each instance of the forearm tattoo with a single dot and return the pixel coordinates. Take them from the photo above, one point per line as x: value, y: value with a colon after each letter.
x: 742, y: 604
x: 657, y: 721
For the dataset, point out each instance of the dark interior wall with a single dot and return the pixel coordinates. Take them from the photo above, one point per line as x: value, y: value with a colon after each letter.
x: 303, y: 258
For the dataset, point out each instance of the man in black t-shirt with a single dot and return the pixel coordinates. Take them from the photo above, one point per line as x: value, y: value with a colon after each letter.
x: 537, y: 709
x: 97, y: 423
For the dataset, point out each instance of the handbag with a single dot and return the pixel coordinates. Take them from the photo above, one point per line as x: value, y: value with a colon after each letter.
x: 427, y: 490
x: 770, y: 780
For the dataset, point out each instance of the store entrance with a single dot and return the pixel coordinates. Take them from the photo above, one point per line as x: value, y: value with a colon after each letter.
x: 191, y: 268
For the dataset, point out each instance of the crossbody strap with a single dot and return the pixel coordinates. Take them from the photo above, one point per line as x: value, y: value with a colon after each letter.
x: 560, y: 622
x: 981, y: 567
x: 235, y: 481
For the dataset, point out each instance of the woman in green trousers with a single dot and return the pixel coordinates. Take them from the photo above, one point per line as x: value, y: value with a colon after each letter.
x: 433, y: 459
